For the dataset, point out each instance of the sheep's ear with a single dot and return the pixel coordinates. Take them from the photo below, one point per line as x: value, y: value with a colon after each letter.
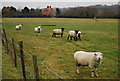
x: 95, y: 54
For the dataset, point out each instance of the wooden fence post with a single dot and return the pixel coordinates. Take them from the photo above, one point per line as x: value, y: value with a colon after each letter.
x: 35, y: 68
x: 2, y: 37
x: 14, y: 51
x: 22, y: 59
x: 6, y: 40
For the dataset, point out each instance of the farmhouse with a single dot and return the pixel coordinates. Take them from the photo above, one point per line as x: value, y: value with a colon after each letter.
x: 51, y: 12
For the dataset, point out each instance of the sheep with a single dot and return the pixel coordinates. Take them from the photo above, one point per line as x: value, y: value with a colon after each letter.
x: 37, y: 30
x: 58, y: 32
x: 74, y: 34
x: 19, y: 27
x: 91, y: 59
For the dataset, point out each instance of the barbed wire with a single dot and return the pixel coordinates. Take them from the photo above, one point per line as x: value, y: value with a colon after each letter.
x: 51, y: 71
x: 30, y: 72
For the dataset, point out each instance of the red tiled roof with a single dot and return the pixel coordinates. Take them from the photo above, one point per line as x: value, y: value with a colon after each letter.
x: 49, y: 12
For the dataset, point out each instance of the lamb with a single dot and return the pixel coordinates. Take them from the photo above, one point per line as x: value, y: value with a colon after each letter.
x: 58, y: 32
x: 74, y: 34
x: 37, y: 30
x: 19, y: 27
x: 91, y: 59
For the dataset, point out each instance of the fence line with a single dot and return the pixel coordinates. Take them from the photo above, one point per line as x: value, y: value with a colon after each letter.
x: 23, y: 52
x: 23, y: 49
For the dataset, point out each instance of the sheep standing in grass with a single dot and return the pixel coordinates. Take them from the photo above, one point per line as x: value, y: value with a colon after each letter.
x: 58, y: 32
x: 91, y: 59
x: 74, y: 34
x: 19, y: 27
x: 37, y: 30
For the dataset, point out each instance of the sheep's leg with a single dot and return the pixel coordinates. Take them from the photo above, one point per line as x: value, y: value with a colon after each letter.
x: 68, y: 38
x: 96, y: 72
x: 61, y: 34
x: 52, y: 35
x: 92, y: 73
x: 80, y: 38
x: 75, y: 38
x: 78, y: 69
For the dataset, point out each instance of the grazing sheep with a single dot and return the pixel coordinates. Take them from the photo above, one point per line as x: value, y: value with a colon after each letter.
x: 74, y: 34
x: 91, y: 59
x: 19, y: 27
x: 58, y: 32
x: 37, y: 30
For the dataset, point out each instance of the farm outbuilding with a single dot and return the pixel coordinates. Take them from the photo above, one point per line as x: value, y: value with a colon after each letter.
x: 49, y: 11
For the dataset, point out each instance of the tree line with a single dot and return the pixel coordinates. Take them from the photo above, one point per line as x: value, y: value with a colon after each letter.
x: 76, y: 12
x: 92, y: 12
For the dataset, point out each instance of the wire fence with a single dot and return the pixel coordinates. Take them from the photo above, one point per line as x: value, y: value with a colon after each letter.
x: 28, y: 64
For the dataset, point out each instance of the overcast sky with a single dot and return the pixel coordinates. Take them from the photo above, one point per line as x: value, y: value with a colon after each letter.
x: 55, y: 3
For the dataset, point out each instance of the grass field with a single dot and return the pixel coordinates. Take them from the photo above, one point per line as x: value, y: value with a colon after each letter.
x: 57, y: 53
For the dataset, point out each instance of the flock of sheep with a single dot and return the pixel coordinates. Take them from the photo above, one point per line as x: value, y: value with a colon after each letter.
x: 82, y: 58
x: 76, y: 34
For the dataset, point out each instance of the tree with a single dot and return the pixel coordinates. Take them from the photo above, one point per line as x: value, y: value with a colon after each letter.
x: 9, y: 11
x: 58, y: 12
x: 13, y: 9
x: 25, y: 10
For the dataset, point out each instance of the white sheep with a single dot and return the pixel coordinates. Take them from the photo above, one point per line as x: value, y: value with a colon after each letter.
x: 74, y: 34
x: 91, y: 59
x: 58, y: 32
x: 37, y: 30
x: 19, y: 27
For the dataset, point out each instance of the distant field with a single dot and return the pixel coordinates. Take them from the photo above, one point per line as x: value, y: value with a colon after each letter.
x: 57, y: 53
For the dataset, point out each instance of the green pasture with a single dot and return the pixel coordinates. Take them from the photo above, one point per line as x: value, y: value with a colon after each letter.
x: 57, y: 52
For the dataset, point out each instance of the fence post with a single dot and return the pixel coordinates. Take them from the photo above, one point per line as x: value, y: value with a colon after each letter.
x: 1, y: 36
x: 6, y: 40
x: 35, y: 68
x: 22, y: 59
x: 14, y: 51
x: 3, y: 41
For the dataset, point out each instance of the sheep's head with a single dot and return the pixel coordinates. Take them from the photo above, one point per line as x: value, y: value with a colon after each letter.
x: 98, y: 56
x: 79, y: 32
x: 62, y: 29
x: 76, y: 31
x: 39, y: 27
